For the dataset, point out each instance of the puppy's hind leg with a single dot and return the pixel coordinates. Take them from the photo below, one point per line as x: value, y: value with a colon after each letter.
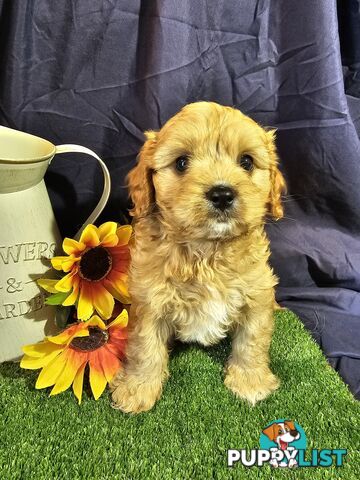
x: 138, y: 384
x: 248, y: 373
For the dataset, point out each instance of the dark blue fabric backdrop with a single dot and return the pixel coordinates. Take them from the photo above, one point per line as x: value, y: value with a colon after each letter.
x: 99, y: 73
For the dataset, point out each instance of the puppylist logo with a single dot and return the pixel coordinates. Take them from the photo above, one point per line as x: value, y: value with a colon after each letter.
x: 283, y: 445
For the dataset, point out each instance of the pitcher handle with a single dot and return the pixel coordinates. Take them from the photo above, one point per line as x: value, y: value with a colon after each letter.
x: 107, y: 182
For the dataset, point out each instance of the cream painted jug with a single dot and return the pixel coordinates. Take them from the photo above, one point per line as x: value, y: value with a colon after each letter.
x: 29, y: 236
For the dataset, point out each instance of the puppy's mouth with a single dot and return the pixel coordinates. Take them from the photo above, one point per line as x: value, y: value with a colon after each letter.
x: 220, y: 226
x: 283, y: 445
x: 219, y: 216
x: 228, y: 216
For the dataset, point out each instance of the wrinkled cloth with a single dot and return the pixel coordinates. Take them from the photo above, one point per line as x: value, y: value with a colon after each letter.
x: 99, y: 73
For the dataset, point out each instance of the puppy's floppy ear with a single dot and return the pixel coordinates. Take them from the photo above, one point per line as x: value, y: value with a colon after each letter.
x: 139, y: 179
x: 271, y: 431
x: 278, y: 185
x: 290, y: 424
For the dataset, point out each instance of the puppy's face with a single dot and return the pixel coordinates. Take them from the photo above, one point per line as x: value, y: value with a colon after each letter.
x: 282, y: 433
x: 211, y: 171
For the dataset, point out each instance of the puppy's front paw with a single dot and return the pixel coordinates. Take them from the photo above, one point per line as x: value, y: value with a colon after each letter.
x: 251, y: 385
x: 133, y: 394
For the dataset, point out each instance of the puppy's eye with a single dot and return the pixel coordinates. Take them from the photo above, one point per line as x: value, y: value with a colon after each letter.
x: 182, y: 163
x: 246, y: 162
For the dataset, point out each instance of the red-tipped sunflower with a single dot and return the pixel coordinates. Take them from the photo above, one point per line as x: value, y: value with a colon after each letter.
x: 96, y: 268
x: 63, y: 358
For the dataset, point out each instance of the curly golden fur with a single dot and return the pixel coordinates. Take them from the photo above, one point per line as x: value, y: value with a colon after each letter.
x: 197, y: 272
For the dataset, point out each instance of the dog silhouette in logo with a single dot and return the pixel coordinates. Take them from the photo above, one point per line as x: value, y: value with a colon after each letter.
x: 282, y: 433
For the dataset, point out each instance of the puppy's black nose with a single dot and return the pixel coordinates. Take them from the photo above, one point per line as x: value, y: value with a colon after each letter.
x: 221, y: 197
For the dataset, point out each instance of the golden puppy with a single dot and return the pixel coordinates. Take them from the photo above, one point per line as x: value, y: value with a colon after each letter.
x: 201, y: 190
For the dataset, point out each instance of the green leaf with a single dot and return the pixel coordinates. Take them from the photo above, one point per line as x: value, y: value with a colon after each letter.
x: 57, y: 298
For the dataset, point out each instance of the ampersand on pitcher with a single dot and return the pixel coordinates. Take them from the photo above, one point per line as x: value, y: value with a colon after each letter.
x: 13, y: 286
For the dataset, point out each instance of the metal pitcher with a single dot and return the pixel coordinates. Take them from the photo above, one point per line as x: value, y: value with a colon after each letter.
x: 28, y: 236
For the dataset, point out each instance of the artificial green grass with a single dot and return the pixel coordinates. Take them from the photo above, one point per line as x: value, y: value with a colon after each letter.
x: 187, y: 434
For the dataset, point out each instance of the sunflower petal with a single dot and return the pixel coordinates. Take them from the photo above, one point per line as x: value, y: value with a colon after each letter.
x: 110, y: 364
x: 74, y: 360
x: 66, y: 283
x: 124, y: 233
x: 121, y: 253
x: 90, y: 236
x: 78, y: 382
x: 71, y: 299
x: 103, y: 300
x: 96, y: 321
x: 47, y: 284
x: 118, y: 334
x: 38, y: 350
x: 57, y: 262
x: 117, y: 349
x: 121, y: 259
x: 71, y: 246
x: 50, y: 373
x: 85, y: 304
x: 30, y: 363
x: 126, y: 300
x: 110, y: 241
x: 118, y: 277
x: 107, y: 234
x: 64, y: 263
x: 120, y: 321
x: 120, y: 266
x: 118, y: 290
x: 64, y: 337
x: 68, y: 265
x: 107, y: 228
x: 97, y: 378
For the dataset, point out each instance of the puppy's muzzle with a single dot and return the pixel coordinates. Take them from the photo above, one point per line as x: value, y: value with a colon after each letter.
x: 221, y: 197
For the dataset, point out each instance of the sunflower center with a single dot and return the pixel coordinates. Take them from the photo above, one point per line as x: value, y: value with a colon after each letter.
x: 96, y: 339
x: 95, y: 264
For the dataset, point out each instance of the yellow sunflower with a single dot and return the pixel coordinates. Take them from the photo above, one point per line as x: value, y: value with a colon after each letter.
x: 96, y: 268
x: 63, y: 358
